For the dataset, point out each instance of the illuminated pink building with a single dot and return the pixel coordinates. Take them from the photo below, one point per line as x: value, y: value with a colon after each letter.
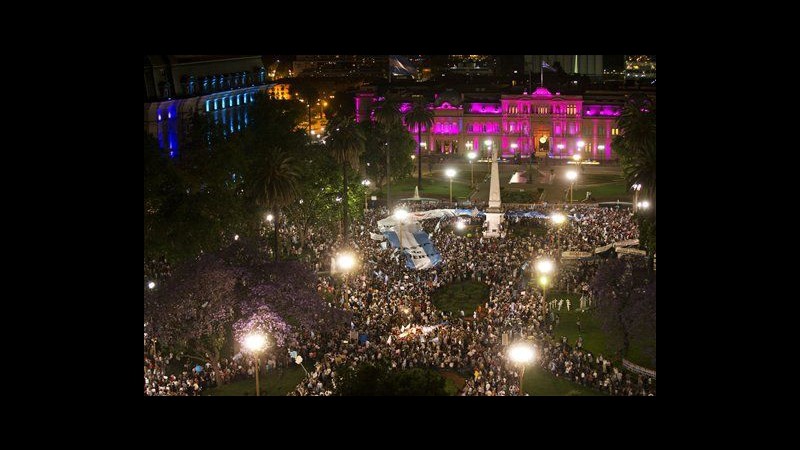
x: 519, y: 124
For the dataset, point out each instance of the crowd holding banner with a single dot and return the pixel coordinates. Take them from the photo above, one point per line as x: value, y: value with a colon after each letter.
x: 395, y: 323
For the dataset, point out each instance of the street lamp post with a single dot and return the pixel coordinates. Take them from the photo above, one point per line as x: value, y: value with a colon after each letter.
x: 543, y: 282
x: 256, y: 343
x: 450, y: 174
x: 471, y: 155
x: 571, y: 176
x: 522, y: 353
x: 270, y: 218
x: 636, y: 188
x: 366, y: 183
x: 577, y: 158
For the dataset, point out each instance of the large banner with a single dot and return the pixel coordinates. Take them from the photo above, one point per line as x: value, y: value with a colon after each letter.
x: 630, y: 251
x: 420, y: 252
x: 575, y: 255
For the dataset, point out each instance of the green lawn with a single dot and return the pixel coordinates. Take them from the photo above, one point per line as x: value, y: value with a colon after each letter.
x: 435, y: 185
x: 594, y: 339
x: 466, y: 295
x: 271, y: 384
x: 538, y: 381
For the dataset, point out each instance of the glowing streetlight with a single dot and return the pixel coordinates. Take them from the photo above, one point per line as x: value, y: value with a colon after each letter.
x: 345, y: 261
x: 270, y: 218
x: 522, y: 354
x: 236, y: 237
x: 450, y: 174
x: 151, y: 285
x: 471, y: 155
x: 256, y: 343
x: 544, y: 282
x: 643, y: 205
x: 544, y: 266
x: 413, y: 156
x: 601, y: 147
x: 636, y: 188
x: 581, y: 144
x: 366, y: 183
x: 571, y: 176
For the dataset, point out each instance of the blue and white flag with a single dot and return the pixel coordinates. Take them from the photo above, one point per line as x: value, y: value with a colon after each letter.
x: 420, y: 252
x: 547, y: 66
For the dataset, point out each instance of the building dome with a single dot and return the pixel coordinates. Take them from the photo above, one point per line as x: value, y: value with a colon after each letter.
x: 542, y: 91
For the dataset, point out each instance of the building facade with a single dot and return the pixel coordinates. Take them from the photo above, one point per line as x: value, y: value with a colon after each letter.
x: 519, y: 124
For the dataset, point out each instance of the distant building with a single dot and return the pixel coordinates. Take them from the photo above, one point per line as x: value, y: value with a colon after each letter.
x: 520, y: 124
x: 177, y: 86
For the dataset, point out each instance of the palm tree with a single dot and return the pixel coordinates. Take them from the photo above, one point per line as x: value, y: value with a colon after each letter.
x: 419, y: 116
x: 276, y: 184
x: 346, y: 141
x: 636, y: 147
x: 388, y: 116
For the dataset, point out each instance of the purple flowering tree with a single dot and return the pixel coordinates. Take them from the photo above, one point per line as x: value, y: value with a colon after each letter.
x: 625, y: 300
x: 231, y: 294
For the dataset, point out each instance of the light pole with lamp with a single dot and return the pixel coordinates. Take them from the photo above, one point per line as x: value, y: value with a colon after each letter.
x: 471, y: 155
x: 522, y: 353
x: 543, y: 282
x: 270, y: 218
x: 544, y: 267
x: 256, y: 343
x: 450, y: 174
x: 577, y: 158
x: 636, y: 188
x: 571, y: 176
x: 366, y: 184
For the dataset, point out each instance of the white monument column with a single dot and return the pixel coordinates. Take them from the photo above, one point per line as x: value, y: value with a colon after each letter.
x: 494, y: 215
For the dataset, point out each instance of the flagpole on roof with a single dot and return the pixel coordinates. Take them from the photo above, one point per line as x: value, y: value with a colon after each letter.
x: 541, y: 69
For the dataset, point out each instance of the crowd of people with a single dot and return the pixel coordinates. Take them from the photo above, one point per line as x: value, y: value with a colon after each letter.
x: 395, y: 322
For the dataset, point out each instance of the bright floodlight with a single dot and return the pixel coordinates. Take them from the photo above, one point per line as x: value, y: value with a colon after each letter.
x: 270, y: 217
x: 366, y: 182
x: 236, y: 237
x: 572, y: 175
x: 346, y: 261
x: 645, y: 204
x: 255, y: 342
x: 413, y: 156
x: 637, y: 187
x: 151, y: 285
x: 543, y: 281
x: 460, y: 225
x: 472, y: 155
x: 400, y: 214
x: 558, y: 218
x: 488, y: 142
x: 522, y: 353
x: 581, y: 144
x: 450, y: 172
x: 544, y: 266
x: 576, y: 156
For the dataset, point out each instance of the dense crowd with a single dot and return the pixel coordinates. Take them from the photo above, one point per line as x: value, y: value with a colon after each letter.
x: 395, y: 323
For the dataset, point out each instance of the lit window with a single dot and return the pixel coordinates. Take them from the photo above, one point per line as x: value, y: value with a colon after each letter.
x: 615, y: 131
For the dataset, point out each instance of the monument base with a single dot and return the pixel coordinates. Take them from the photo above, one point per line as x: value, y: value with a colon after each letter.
x: 493, y: 221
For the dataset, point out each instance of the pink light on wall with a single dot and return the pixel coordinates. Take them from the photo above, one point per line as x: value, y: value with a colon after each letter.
x: 358, y: 108
x: 484, y: 108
